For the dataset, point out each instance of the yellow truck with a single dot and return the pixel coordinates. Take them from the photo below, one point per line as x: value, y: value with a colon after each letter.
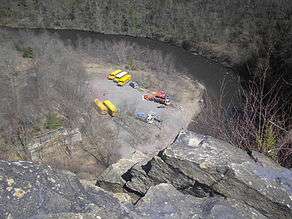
x: 101, y: 107
x: 112, y: 109
x: 124, y: 80
x: 120, y: 75
x: 113, y: 74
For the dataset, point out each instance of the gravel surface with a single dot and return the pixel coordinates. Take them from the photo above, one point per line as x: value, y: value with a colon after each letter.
x: 135, y: 134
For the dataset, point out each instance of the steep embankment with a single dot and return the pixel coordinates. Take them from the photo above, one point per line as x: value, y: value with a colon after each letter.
x: 228, y: 31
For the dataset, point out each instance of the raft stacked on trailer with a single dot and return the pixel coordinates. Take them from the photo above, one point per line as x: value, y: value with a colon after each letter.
x: 158, y: 97
x: 120, y: 75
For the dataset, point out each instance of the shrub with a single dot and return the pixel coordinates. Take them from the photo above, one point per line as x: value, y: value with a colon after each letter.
x: 53, y: 121
x: 285, y: 150
x: 131, y: 65
x: 268, y: 142
x: 247, y: 129
x: 6, y: 12
x: 27, y: 53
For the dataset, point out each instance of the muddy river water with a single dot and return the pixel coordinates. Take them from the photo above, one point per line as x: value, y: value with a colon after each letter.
x: 206, y: 72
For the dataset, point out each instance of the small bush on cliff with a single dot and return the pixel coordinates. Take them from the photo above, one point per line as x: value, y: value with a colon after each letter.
x: 268, y: 142
x: 53, y: 121
x: 27, y: 53
x: 131, y: 65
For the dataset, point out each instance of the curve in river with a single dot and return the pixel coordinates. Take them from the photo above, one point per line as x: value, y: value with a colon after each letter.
x: 207, y: 72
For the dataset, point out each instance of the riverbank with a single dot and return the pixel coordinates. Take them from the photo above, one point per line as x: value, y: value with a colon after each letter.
x: 207, y: 72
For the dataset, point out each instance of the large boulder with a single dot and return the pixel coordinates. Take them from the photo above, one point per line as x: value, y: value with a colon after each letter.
x: 206, y: 167
x: 113, y: 177
x: 34, y: 191
x: 38, y: 192
x: 165, y: 201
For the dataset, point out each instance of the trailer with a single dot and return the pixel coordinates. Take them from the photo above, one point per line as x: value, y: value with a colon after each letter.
x: 165, y: 101
x: 145, y: 117
x: 158, y: 97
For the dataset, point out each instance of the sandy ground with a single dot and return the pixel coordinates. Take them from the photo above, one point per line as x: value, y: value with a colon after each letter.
x: 135, y: 134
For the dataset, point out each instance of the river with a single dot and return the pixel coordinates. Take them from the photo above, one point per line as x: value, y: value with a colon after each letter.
x: 205, y: 71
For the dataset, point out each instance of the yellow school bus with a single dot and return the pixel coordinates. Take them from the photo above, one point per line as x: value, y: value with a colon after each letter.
x: 113, y: 74
x: 101, y: 107
x: 124, y: 80
x: 112, y: 109
x: 120, y: 75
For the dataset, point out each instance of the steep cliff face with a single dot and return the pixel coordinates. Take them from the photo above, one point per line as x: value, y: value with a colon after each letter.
x: 229, y: 31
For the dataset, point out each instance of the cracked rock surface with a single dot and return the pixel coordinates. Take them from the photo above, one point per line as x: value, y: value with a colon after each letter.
x: 112, y: 178
x: 34, y: 191
x: 205, y: 167
x: 165, y: 201
x: 195, y: 177
x: 39, y: 192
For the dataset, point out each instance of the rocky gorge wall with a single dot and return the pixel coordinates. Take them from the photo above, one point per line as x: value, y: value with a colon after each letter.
x: 228, y: 31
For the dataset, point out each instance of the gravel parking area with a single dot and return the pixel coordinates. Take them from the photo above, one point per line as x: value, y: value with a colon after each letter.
x: 135, y: 134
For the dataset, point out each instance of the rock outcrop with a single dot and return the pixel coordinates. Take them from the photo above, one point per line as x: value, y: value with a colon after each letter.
x: 39, y: 192
x: 195, y: 177
x: 112, y: 178
x: 165, y: 201
x: 228, y: 31
x: 205, y: 167
x: 35, y: 191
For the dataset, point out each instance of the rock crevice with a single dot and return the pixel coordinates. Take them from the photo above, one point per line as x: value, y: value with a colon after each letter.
x: 188, y: 179
x: 204, y: 167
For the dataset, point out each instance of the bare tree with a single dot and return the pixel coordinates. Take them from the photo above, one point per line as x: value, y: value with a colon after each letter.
x: 259, y: 123
x: 61, y: 81
x: 16, y: 123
